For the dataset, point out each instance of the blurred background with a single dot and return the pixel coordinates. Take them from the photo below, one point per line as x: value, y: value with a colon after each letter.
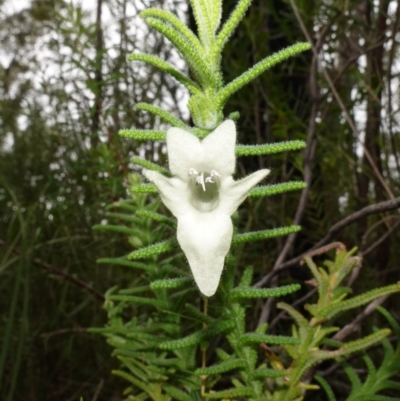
x: 66, y: 89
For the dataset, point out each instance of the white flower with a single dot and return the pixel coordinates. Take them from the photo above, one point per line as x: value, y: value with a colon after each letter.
x: 202, y: 195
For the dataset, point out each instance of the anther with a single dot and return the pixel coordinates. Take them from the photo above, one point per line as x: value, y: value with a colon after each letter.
x: 193, y: 171
x: 214, y: 173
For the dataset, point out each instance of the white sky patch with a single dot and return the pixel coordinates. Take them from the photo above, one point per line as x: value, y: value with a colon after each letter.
x: 13, y: 7
x: 52, y: 70
x: 111, y: 26
x: 343, y: 202
x: 8, y: 143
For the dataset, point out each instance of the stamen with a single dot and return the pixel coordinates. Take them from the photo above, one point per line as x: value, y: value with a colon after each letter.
x: 200, y: 181
x: 193, y: 171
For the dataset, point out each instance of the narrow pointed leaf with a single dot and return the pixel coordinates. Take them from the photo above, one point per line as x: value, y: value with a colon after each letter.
x: 143, y: 134
x: 254, y: 293
x: 353, y: 376
x: 258, y: 69
x: 362, y: 344
x: 124, y: 262
x: 221, y: 354
x: 177, y: 394
x: 230, y: 394
x: 139, y: 373
x: 122, y: 205
x: 171, y: 283
x: 130, y: 378
x: 317, y: 275
x: 269, y: 190
x: 255, y: 338
x: 392, y: 385
x: 230, y: 25
x: 327, y: 388
x: 264, y: 234
x: 153, y: 250
x: 143, y: 189
x: 190, y: 54
x: 297, y: 316
x: 168, y: 68
x: 372, y: 373
x: 263, y: 373
x: 395, y: 325
x: 125, y: 217
x: 353, y: 346
x: 262, y: 328
x: 176, y: 23
x: 156, y: 217
x: 115, y: 229
x: 199, y: 336
x: 225, y: 366
x: 207, y: 14
x: 270, y: 148
x: 164, y: 115
x: 149, y: 165
x: 197, y: 314
x: 247, y: 276
x: 137, y: 300
x: 332, y: 310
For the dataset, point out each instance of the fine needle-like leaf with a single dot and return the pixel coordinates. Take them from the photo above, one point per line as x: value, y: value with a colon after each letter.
x: 257, y: 70
x: 149, y: 165
x: 207, y: 14
x: 195, y: 60
x: 164, y: 115
x: 168, y: 68
x: 176, y: 23
x: 230, y: 25
x: 270, y: 148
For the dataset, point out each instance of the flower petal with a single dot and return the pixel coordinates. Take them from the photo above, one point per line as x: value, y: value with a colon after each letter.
x: 174, y: 193
x: 219, y: 149
x: 233, y: 193
x: 215, y: 152
x: 205, y: 238
x: 184, y: 149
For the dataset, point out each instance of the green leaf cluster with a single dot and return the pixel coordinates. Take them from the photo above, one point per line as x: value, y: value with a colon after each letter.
x: 157, y: 328
x: 202, y: 53
x: 313, y: 334
x: 174, y: 346
x: 378, y: 379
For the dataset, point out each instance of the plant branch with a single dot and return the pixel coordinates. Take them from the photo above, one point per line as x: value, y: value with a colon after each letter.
x: 64, y: 331
x: 355, y: 325
x: 308, y: 161
x: 334, y: 230
x: 381, y: 239
x: 61, y: 273
x: 309, y: 151
x: 342, y: 105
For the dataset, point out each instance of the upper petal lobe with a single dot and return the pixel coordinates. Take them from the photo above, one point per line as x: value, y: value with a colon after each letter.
x: 219, y: 148
x: 184, y: 149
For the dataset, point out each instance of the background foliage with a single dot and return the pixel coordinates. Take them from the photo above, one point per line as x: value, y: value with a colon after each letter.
x: 66, y: 90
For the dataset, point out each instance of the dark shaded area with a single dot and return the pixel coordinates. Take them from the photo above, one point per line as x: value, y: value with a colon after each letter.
x: 62, y: 163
